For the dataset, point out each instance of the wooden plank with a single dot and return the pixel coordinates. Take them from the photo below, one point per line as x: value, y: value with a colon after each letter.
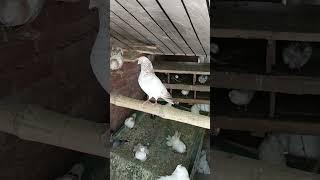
x: 153, y: 8
x: 121, y: 38
x: 124, y: 33
x: 181, y: 68
x: 267, y: 125
x: 178, y: 15
x: 126, y: 27
x: 266, y: 21
x: 116, y: 43
x: 270, y: 83
x: 199, y: 15
x: 260, y: 34
x: 125, y: 15
x: 189, y: 101
x: 188, y: 87
x: 138, y: 12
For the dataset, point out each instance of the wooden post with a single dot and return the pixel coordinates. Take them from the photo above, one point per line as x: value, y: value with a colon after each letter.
x: 270, y: 61
x: 164, y: 111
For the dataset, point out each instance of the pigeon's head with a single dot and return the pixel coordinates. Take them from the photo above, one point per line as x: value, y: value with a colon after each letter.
x: 143, y: 60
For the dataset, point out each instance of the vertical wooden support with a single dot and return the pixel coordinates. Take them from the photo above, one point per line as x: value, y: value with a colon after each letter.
x: 168, y: 80
x: 270, y: 61
x: 194, y: 83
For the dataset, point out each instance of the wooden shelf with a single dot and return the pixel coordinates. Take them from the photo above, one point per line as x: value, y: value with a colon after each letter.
x: 181, y: 67
x: 271, y: 83
x: 270, y: 21
x: 190, y: 101
x: 188, y: 87
x: 267, y: 125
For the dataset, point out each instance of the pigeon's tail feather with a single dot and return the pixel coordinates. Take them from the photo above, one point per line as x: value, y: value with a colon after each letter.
x: 168, y: 100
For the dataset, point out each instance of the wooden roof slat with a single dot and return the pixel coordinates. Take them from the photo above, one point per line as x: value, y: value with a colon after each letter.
x: 138, y: 12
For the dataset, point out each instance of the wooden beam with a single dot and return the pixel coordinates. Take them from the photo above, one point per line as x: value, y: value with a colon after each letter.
x: 258, y: 20
x: 267, y: 125
x: 164, y: 111
x: 181, y: 67
x: 188, y: 87
x: 271, y: 83
x: 263, y: 34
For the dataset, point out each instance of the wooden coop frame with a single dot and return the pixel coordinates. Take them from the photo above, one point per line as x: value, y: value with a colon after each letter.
x: 271, y: 22
x: 160, y: 27
x: 193, y: 69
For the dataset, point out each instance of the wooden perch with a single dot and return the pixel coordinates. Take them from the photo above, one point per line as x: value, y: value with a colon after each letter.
x: 166, y: 112
x: 34, y: 123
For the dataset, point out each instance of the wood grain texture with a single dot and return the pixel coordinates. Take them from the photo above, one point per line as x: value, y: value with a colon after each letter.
x: 179, y: 17
x: 160, y: 17
x: 176, y: 27
x: 138, y: 12
x: 117, y: 9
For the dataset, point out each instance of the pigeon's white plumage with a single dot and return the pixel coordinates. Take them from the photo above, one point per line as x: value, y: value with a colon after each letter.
x: 185, y: 92
x: 116, y: 58
x: 150, y: 83
x: 202, y: 79
x: 297, y: 54
x: 141, y: 152
x: 130, y: 121
x: 74, y: 174
x: 203, y: 165
x: 240, y: 97
x: 176, y: 143
x: 180, y: 173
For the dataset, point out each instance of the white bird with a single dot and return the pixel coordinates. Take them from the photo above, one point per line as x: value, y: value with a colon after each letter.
x: 297, y: 54
x: 74, y: 174
x: 202, y: 79
x: 196, y: 108
x: 214, y: 48
x: 203, y: 165
x: 150, y: 83
x: 180, y: 173
x: 176, y: 143
x: 185, y: 92
x: 241, y: 97
x: 116, y: 58
x: 141, y: 152
x: 130, y: 121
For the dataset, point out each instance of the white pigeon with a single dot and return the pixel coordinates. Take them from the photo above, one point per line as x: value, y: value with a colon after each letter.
x: 241, y: 97
x: 214, y: 48
x: 141, y: 152
x: 74, y: 174
x: 202, y: 79
x: 203, y: 165
x: 176, y: 143
x: 185, y: 92
x: 116, y: 58
x: 150, y: 83
x: 297, y: 54
x: 130, y: 121
x: 180, y: 173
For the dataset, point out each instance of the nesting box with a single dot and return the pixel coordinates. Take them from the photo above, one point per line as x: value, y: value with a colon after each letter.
x: 162, y: 160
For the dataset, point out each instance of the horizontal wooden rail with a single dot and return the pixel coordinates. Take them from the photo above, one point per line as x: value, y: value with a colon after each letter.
x: 164, y: 111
